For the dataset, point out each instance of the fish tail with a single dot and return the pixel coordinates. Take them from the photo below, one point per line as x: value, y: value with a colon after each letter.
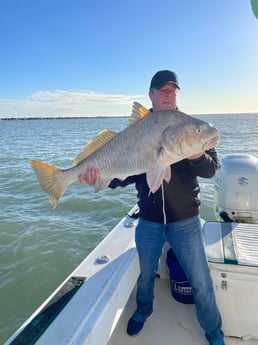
x: 50, y: 180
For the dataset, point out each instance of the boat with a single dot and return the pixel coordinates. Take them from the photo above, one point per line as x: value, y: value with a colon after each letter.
x: 93, y: 304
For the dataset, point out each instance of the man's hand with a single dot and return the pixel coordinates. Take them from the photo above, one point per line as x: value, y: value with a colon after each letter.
x: 89, y: 176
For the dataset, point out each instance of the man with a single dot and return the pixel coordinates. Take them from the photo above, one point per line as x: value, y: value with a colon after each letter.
x: 172, y: 214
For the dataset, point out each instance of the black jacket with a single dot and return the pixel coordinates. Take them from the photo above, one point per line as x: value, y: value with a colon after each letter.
x: 180, y: 194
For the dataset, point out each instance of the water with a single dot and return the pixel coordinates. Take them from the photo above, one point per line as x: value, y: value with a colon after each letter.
x: 40, y: 246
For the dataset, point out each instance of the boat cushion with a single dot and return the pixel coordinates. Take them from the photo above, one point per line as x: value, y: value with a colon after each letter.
x: 231, y: 243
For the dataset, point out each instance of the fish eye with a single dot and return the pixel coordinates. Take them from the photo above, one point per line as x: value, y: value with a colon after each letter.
x: 198, y: 130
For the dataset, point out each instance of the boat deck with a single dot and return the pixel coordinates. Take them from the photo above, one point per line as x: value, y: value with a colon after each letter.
x: 97, y: 314
x: 172, y: 323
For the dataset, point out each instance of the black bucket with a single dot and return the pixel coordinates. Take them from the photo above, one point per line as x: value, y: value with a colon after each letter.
x: 181, y: 290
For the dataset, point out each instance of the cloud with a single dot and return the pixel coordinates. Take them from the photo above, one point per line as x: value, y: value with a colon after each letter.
x: 68, y: 103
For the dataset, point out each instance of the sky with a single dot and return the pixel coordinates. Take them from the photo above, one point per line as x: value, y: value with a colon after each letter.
x: 94, y: 58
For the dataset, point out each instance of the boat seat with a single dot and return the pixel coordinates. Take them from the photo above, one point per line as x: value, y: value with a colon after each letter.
x: 231, y: 243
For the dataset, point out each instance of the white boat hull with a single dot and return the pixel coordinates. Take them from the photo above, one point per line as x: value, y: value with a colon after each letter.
x: 98, y: 311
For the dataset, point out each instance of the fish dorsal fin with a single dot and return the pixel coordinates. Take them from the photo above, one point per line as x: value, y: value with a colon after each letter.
x: 101, y: 139
x: 138, y: 113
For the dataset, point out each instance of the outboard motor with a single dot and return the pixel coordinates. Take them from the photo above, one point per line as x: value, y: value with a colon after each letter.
x: 236, y: 189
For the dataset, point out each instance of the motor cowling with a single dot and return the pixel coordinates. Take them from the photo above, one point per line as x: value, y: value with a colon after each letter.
x: 236, y: 189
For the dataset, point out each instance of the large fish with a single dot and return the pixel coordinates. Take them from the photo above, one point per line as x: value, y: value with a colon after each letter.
x: 149, y: 146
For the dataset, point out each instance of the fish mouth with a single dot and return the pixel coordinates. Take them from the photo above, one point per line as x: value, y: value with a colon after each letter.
x: 211, y: 142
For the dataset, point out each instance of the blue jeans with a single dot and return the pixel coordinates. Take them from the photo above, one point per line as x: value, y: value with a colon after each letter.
x: 185, y: 237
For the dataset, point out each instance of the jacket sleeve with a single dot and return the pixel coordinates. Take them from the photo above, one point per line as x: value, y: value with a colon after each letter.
x: 118, y: 183
x: 207, y: 165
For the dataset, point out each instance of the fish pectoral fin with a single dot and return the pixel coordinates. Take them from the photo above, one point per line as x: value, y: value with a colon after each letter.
x: 161, y: 171
x: 167, y: 174
x: 138, y: 113
x: 157, y: 175
x: 101, y: 183
x: 93, y: 145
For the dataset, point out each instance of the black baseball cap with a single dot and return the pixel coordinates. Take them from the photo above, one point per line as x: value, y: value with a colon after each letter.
x: 162, y: 78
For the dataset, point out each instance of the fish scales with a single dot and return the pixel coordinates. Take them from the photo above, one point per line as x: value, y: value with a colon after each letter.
x: 148, y: 146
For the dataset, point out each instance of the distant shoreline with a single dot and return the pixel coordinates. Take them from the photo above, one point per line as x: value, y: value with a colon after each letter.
x: 57, y: 118
x: 102, y: 117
